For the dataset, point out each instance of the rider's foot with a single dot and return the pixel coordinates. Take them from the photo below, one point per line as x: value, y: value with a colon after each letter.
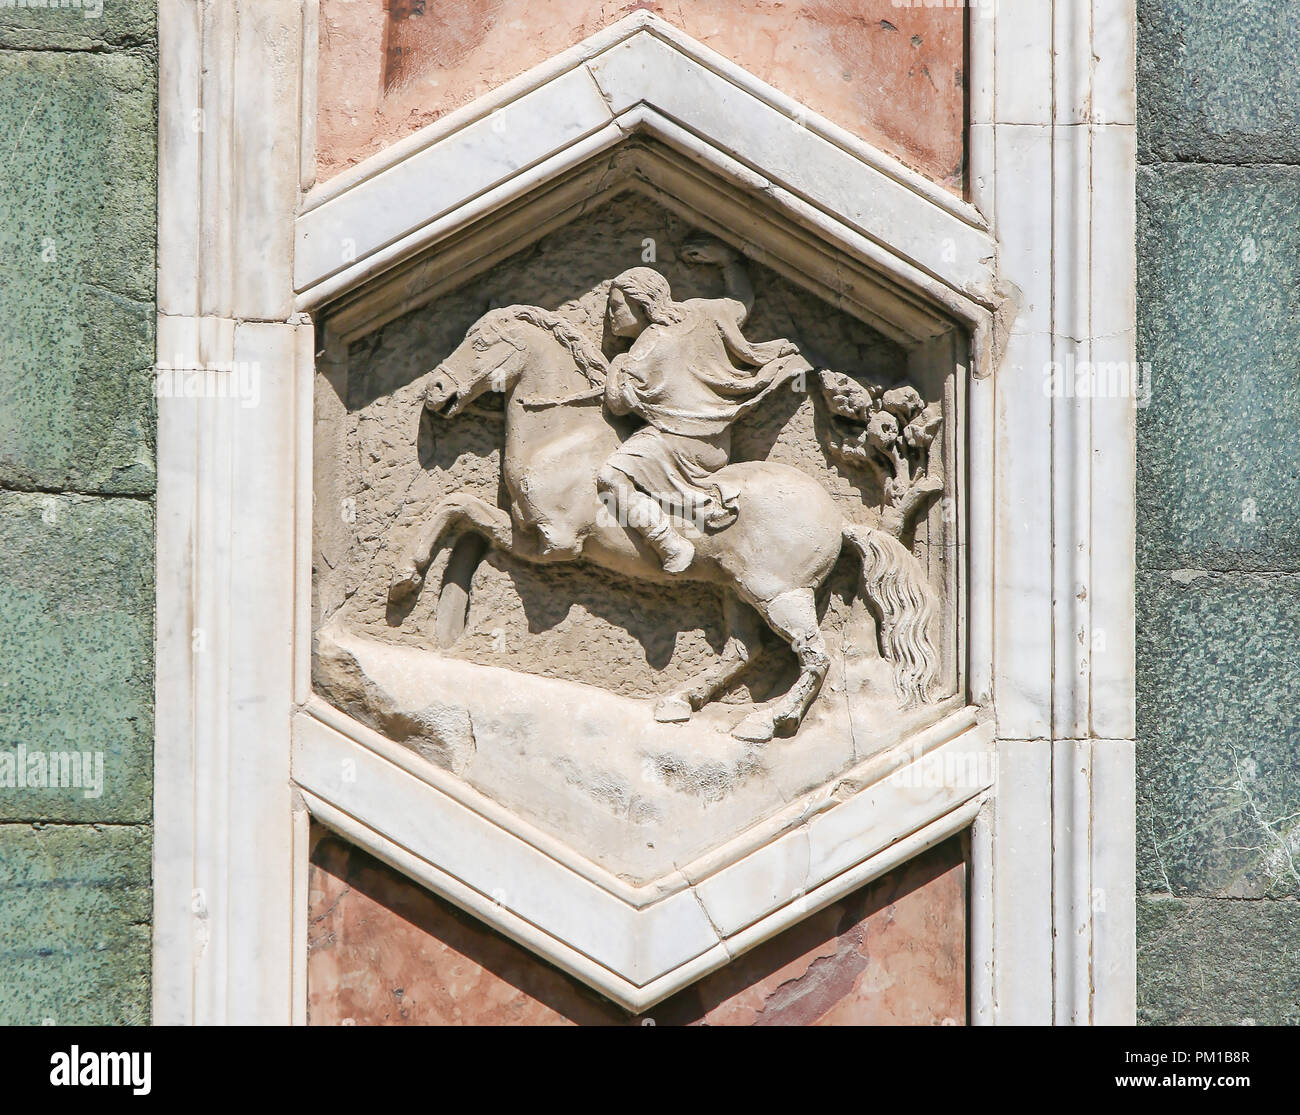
x: 677, y: 553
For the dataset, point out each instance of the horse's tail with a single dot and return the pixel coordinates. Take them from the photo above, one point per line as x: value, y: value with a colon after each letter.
x: 896, y: 583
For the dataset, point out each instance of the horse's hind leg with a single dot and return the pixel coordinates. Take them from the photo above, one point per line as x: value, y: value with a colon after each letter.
x: 453, y: 599
x: 743, y: 633
x: 793, y: 616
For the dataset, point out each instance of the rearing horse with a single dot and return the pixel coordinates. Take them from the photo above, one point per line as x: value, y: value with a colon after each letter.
x: 774, y: 557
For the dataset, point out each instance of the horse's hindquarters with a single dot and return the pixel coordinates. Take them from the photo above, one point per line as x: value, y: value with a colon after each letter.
x: 787, y: 536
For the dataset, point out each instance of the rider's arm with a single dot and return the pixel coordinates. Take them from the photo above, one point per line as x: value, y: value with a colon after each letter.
x: 754, y: 354
x: 739, y: 298
x: 735, y: 278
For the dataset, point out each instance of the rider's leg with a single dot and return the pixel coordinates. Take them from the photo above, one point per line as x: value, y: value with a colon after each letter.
x: 644, y: 515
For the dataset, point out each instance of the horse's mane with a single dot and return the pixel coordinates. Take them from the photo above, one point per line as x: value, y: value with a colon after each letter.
x: 586, y: 354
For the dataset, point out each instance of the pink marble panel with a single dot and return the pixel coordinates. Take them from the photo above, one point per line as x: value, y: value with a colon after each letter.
x: 892, y: 74
x: 384, y: 951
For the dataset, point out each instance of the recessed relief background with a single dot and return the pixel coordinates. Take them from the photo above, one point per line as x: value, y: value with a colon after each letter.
x: 550, y: 686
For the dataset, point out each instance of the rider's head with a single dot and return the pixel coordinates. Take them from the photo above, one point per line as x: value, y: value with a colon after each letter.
x: 645, y: 293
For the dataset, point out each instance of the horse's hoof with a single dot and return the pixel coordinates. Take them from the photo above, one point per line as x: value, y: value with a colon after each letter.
x: 404, y: 584
x: 757, y: 727
x: 672, y: 710
x: 787, y: 725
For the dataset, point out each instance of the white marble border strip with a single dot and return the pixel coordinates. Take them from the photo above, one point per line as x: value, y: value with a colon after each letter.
x: 224, y: 850
x: 683, y: 173
x: 617, y: 33
x: 1053, y: 166
x: 318, y: 715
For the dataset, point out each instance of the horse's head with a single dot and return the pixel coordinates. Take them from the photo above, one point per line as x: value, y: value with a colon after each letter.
x: 490, y: 358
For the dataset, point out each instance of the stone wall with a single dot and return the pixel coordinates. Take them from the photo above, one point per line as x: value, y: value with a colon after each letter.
x: 1218, y: 489
x: 1218, y: 511
x: 78, y: 94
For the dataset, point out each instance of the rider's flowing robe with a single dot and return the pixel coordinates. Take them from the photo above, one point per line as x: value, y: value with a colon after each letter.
x: 690, y: 382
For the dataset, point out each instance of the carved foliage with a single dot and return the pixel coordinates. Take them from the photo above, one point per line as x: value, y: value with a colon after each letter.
x: 889, y: 431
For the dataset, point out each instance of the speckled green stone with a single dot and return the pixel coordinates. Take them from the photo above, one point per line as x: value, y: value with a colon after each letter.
x: 1218, y: 962
x: 1219, y: 321
x: 1219, y: 80
x: 78, y: 24
x: 1218, y: 754
x: 75, y: 905
x: 77, y: 235
x: 76, y: 637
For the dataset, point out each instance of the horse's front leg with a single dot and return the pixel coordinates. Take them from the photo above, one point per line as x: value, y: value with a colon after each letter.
x: 459, y: 512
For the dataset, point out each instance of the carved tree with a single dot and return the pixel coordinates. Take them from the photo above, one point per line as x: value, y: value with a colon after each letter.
x: 889, y: 431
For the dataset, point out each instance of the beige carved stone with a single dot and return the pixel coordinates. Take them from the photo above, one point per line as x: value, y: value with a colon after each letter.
x: 581, y: 538
x: 766, y: 533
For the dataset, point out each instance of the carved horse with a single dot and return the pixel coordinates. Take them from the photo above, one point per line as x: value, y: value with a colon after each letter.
x: 774, y: 557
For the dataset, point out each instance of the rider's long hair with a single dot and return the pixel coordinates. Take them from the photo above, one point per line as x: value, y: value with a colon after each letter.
x: 650, y: 291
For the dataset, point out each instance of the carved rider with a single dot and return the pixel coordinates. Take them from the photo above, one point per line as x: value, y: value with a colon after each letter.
x: 689, y: 374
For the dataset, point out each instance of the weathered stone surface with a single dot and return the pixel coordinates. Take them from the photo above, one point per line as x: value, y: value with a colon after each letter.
x: 1219, y: 295
x: 1218, y: 771
x: 77, y: 216
x: 78, y: 24
x: 74, y: 924
x: 382, y: 950
x: 1219, y: 82
x: 1218, y: 962
x: 76, y: 635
